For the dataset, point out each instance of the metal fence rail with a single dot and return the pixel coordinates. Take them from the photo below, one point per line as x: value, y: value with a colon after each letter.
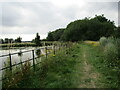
x: 46, y: 48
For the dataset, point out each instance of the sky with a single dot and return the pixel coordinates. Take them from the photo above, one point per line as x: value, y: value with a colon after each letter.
x: 26, y: 18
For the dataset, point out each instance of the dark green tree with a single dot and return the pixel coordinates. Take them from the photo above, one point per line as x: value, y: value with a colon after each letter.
x: 50, y: 36
x: 37, y: 40
x: 88, y: 29
x: 18, y: 40
x: 6, y: 40
x: 117, y: 32
x: 55, y: 35
x: 11, y: 40
x: 1, y: 41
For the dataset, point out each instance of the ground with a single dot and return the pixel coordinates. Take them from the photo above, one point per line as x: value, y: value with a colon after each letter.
x: 89, y: 75
x: 82, y: 66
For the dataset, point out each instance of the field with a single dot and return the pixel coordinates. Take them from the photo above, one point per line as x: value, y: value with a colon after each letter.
x: 81, y: 66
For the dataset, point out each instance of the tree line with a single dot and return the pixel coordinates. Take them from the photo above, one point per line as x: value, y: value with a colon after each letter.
x: 83, y: 29
x: 86, y: 29
x: 11, y: 40
x: 37, y: 40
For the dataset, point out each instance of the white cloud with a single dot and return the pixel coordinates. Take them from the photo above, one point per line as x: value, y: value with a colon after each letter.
x: 32, y: 17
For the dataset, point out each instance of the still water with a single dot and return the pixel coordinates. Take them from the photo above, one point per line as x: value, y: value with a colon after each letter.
x: 16, y: 58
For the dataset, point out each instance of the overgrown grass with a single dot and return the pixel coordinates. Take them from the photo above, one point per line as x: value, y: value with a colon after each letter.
x: 63, y: 70
x: 109, y: 76
x: 57, y: 71
x: 17, y: 74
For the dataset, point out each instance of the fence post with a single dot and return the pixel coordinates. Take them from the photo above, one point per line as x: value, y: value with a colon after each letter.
x: 66, y: 49
x: 10, y: 61
x: 46, y: 51
x: 54, y: 49
x: 33, y: 60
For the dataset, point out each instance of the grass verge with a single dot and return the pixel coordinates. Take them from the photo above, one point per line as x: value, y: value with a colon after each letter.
x: 64, y: 69
x: 109, y: 76
x: 58, y: 71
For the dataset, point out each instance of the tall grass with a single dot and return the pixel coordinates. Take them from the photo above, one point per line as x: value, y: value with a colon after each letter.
x: 54, y: 72
x: 111, y: 50
x: 18, y: 73
x: 103, y: 41
x: 109, y: 75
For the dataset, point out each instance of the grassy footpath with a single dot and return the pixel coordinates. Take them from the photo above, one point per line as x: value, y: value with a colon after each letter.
x: 109, y: 78
x: 81, y: 67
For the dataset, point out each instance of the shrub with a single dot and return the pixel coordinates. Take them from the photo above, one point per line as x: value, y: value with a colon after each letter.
x: 16, y: 75
x: 38, y: 52
x: 111, y: 52
x: 103, y: 41
x: 111, y: 48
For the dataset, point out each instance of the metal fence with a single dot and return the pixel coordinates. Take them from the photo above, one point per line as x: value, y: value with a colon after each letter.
x: 46, y: 49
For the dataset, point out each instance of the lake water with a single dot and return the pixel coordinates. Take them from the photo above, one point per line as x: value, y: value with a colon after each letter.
x: 15, y: 58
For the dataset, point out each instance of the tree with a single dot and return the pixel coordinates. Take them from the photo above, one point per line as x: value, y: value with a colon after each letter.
x: 117, y: 32
x: 6, y: 40
x: 11, y: 40
x: 50, y: 36
x: 55, y: 35
x: 88, y: 29
x: 37, y: 40
x: 18, y: 40
x: 1, y: 41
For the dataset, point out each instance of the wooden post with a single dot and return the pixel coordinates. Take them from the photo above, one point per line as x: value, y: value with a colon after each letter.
x: 46, y: 51
x: 10, y: 61
x: 66, y: 49
x: 54, y: 48
x: 33, y: 60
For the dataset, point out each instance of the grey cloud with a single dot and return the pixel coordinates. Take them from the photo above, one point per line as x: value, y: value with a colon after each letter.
x: 45, y: 16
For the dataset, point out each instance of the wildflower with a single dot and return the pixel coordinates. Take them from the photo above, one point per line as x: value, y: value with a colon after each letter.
x: 53, y: 55
x: 42, y: 55
x: 95, y: 45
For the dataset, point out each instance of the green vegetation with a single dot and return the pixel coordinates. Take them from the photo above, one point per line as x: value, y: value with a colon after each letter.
x: 26, y: 44
x: 82, y: 66
x: 55, y: 35
x: 111, y: 50
x: 57, y: 71
x: 88, y: 64
x: 108, y: 75
x: 18, y: 40
x: 17, y: 45
x: 7, y: 40
x: 85, y: 29
x: 18, y: 74
x: 37, y: 40
x: 117, y: 32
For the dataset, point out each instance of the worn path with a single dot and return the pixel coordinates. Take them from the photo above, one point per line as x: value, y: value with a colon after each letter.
x: 90, y: 77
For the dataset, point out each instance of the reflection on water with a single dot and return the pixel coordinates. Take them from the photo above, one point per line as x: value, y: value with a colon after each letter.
x: 15, y: 58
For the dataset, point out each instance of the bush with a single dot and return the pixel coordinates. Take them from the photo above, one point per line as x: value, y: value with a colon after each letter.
x: 111, y: 48
x: 111, y: 52
x: 103, y: 41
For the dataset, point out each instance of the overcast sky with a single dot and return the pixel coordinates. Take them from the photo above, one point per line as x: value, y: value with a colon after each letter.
x: 25, y: 19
